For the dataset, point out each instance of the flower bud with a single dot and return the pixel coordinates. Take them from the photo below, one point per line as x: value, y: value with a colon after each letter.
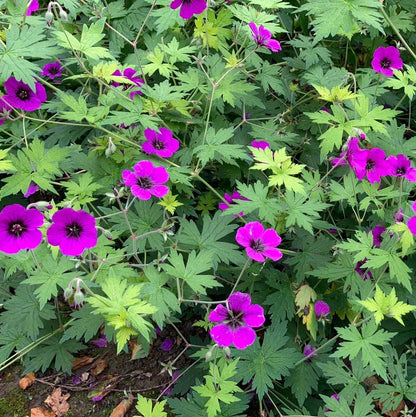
x: 43, y: 205
x: 68, y: 293
x: 78, y: 299
x: 107, y: 234
x: 63, y: 15
x: 49, y: 17
x: 227, y: 352
x: 208, y: 356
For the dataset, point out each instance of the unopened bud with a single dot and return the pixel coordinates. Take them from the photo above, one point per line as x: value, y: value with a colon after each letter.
x: 111, y: 148
x: 107, y: 234
x: 208, y: 355
x: 43, y: 205
x: 227, y: 352
x: 68, y: 293
x: 78, y: 299
x: 63, y: 15
x: 49, y: 17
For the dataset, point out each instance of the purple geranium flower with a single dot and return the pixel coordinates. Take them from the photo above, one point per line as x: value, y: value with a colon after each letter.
x: 260, y: 144
x: 33, y: 7
x: 146, y: 180
x: 230, y: 199
x: 321, y: 309
x: 411, y: 224
x: 236, y: 321
x: 347, y: 157
x: 52, y: 70
x: 189, y: 7
x: 73, y: 231
x: 377, y: 232
x: 309, y: 351
x: 130, y: 74
x: 364, y: 273
x: 398, y: 216
x: 5, y: 110
x: 399, y: 166
x: 264, y: 37
x: 370, y: 163
x: 259, y: 243
x: 19, y: 228
x: 161, y: 144
x: 386, y: 59
x: 101, y: 341
x: 21, y: 96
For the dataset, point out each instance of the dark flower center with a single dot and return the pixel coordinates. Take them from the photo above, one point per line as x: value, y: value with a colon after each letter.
x: 401, y: 171
x: 73, y: 230
x: 17, y: 228
x: 53, y: 70
x: 23, y: 94
x: 257, y: 245
x: 145, y: 182
x: 159, y: 145
x: 235, y: 319
x: 370, y: 165
x: 385, y: 63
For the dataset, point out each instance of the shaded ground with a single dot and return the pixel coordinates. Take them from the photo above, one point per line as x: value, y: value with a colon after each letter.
x: 121, y: 376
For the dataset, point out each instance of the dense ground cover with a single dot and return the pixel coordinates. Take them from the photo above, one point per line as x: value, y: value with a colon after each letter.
x: 237, y: 173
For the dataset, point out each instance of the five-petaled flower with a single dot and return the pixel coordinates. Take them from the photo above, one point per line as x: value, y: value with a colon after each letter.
x: 52, y: 70
x: 73, y: 231
x: 321, y: 309
x: 161, y: 144
x: 386, y: 59
x: 370, y: 163
x: 189, y: 7
x: 236, y: 321
x: 146, y: 180
x: 399, y: 166
x: 130, y: 74
x: 264, y: 37
x: 259, y: 243
x: 19, y: 228
x: 21, y: 96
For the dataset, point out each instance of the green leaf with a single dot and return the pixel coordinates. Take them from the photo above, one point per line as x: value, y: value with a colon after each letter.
x: 191, y: 272
x: 302, y: 380
x: 90, y: 36
x: 216, y: 149
x: 52, y: 275
x: 158, y: 295
x: 386, y: 305
x: 345, y: 17
x: 211, y: 238
x: 269, y: 362
x: 365, y: 343
x: 82, y: 191
x: 145, y: 407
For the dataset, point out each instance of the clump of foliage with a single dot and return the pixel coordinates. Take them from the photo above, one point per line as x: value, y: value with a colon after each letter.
x: 246, y: 166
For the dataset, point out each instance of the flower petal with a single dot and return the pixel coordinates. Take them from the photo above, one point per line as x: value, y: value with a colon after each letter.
x: 243, y: 337
x: 220, y: 313
x: 222, y: 334
x: 254, y: 315
x: 239, y: 301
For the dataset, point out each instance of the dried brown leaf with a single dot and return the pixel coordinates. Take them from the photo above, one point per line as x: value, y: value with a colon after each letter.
x: 41, y: 412
x: 58, y: 402
x: 82, y: 361
x: 123, y: 407
x: 27, y: 381
x: 99, y: 366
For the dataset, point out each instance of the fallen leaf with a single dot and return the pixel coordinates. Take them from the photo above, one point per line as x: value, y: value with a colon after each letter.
x: 80, y: 362
x: 392, y: 413
x: 41, y: 412
x: 123, y: 407
x: 58, y: 402
x: 27, y: 381
x: 103, y: 388
x: 99, y: 366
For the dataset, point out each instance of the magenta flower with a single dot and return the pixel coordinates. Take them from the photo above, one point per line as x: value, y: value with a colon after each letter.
x: 411, y: 224
x: 236, y: 321
x: 161, y: 144
x: 5, y: 110
x: 73, y: 231
x: 259, y: 243
x: 189, y: 7
x: 309, y: 351
x: 398, y: 216
x: 260, y: 144
x: 399, y: 166
x: 347, y: 157
x: 101, y: 341
x: 230, y: 199
x: 364, y: 273
x: 321, y: 309
x: 33, y: 7
x: 21, y: 96
x: 19, y: 228
x: 52, y: 70
x: 146, y: 180
x: 386, y: 59
x: 130, y: 74
x: 377, y: 232
x: 370, y: 163
x: 262, y: 36
x: 31, y: 189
